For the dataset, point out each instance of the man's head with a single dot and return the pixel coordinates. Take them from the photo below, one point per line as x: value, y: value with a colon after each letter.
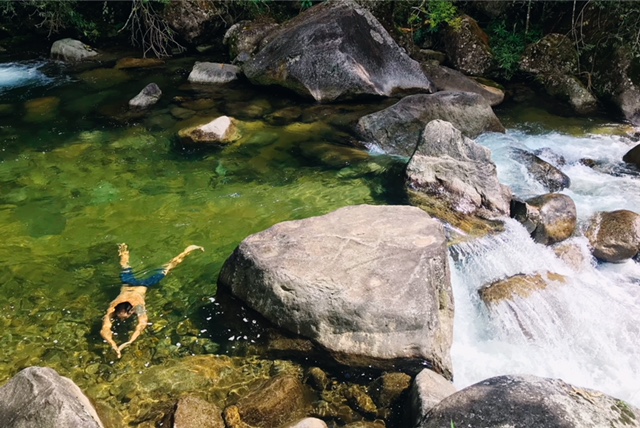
x: 124, y: 310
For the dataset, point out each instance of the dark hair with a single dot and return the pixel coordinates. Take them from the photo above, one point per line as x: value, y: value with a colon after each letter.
x: 123, y: 309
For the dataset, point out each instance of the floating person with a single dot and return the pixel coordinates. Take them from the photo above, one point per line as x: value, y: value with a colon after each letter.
x: 130, y: 301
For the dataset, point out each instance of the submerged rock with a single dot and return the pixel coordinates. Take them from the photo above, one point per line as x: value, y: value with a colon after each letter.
x: 614, y: 236
x: 530, y: 401
x: 71, y: 50
x: 279, y: 401
x: 40, y: 397
x: 397, y: 129
x: 633, y: 156
x: 213, y: 72
x: 126, y: 63
x: 575, y: 255
x: 149, y: 95
x: 549, y: 218
x: 454, y: 168
x: 518, y: 286
x: 336, y: 50
x: 370, y: 284
x: 548, y: 175
x: 192, y: 412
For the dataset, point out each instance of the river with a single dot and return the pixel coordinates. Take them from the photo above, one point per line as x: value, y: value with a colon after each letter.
x: 80, y: 173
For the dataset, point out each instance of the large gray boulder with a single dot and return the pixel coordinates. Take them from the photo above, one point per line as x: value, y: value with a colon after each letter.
x: 397, y: 129
x: 244, y: 38
x: 614, y: 236
x: 370, y: 284
x: 530, y: 401
x: 336, y: 50
x: 549, y: 218
x: 452, y: 167
x: 71, y: 50
x: 40, y: 397
x: 553, y: 60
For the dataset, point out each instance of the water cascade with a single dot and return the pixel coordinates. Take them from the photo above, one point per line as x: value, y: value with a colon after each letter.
x: 585, y: 331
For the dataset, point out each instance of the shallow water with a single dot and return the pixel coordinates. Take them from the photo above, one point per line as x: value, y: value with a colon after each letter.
x: 79, y: 174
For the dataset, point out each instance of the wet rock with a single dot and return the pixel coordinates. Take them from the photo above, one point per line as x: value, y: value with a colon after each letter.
x: 396, y: 130
x: 317, y: 378
x: 126, y: 63
x: 213, y: 72
x: 520, y: 285
x: 40, y: 397
x: 181, y: 113
x: 551, y: 177
x: 333, y: 155
x: 336, y: 50
x: 549, y: 218
x: 447, y: 79
x: 614, y: 236
x: 194, y: 412
x: 308, y: 423
x: 528, y: 401
x: 103, y: 78
x: 467, y: 47
x: 633, y: 156
x: 554, y: 62
x: 427, y: 390
x: 149, y: 95
x: 388, y: 388
x: 360, y: 401
x: 573, y: 254
x: 456, y: 169
x: 222, y: 130
x: 244, y: 37
x: 280, y: 401
x: 356, y: 281
x: 71, y: 50
x: 366, y: 424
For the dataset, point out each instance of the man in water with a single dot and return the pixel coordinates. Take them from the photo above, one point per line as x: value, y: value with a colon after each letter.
x: 131, y: 298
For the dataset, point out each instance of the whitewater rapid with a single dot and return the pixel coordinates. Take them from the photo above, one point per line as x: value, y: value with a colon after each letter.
x: 587, y: 331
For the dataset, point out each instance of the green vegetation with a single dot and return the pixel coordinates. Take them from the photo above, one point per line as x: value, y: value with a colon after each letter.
x: 508, y: 45
x: 430, y: 15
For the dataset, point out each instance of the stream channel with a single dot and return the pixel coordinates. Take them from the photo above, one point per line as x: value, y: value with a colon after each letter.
x: 79, y: 174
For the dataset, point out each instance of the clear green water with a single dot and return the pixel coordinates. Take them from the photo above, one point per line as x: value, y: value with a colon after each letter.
x: 78, y: 175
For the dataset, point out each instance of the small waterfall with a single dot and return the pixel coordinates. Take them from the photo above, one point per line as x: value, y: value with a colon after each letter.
x: 585, y: 331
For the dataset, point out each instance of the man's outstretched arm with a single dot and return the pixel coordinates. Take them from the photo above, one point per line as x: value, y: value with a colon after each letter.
x: 180, y: 258
x: 106, y: 332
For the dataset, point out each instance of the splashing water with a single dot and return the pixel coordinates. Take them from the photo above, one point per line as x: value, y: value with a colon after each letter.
x: 585, y: 331
x: 14, y: 75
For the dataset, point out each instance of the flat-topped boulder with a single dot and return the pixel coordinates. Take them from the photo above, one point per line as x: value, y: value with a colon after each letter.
x: 40, y: 397
x: 396, y: 130
x: 370, y: 284
x: 336, y: 50
x: 530, y: 401
x: 213, y: 72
